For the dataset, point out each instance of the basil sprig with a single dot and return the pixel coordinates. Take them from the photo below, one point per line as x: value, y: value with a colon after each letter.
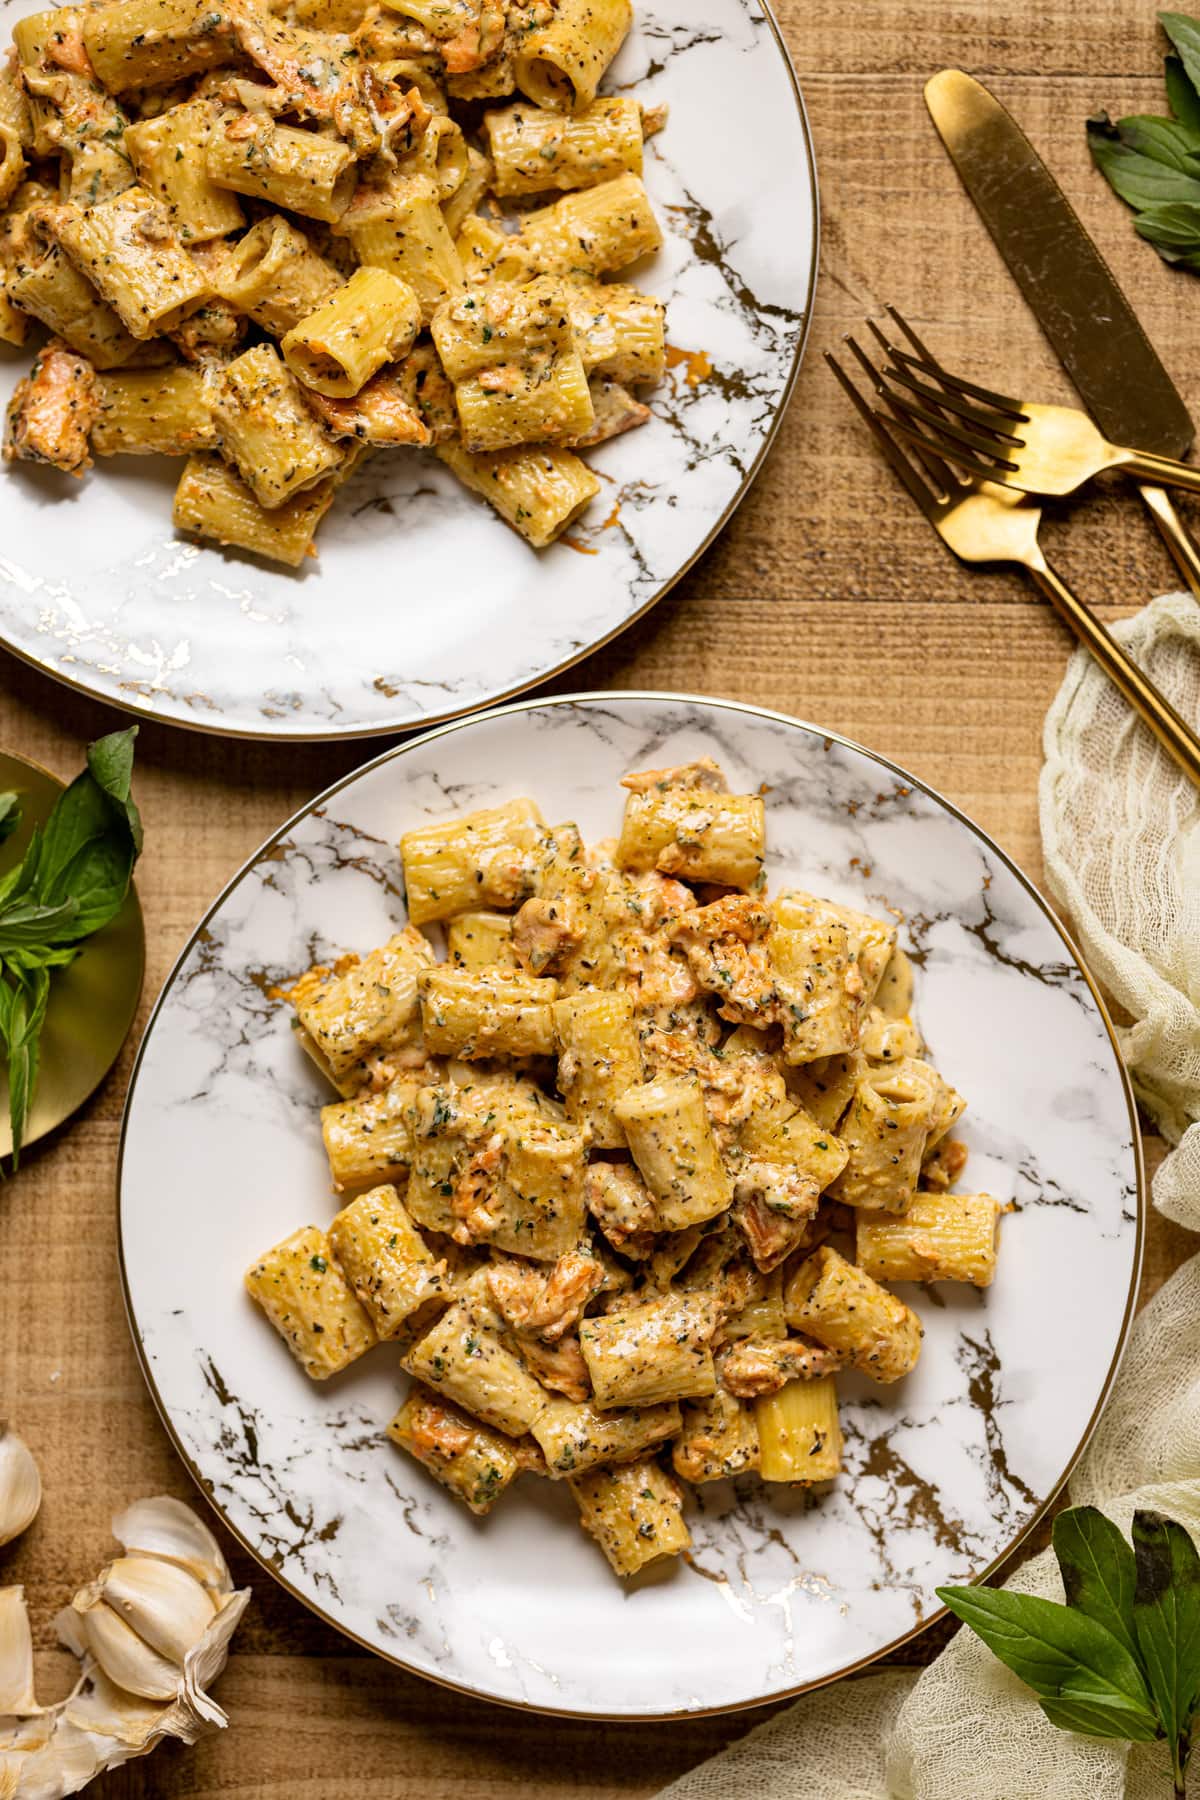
x: 1121, y: 1659
x: 71, y: 881
x: 1153, y: 163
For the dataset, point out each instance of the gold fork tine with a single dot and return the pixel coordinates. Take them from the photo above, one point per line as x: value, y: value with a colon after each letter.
x: 949, y: 433
x: 900, y: 463
x: 990, y: 435
x: 1002, y: 402
x: 962, y: 459
x: 944, y: 476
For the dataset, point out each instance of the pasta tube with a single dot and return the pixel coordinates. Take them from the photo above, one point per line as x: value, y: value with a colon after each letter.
x: 575, y: 1435
x: 561, y: 62
x: 310, y: 1304
x: 534, y: 149
x: 372, y: 320
x: 485, y: 857
x: 211, y: 502
x: 481, y: 940
x: 799, y: 1433
x: 886, y: 1132
x: 152, y: 43
x: 538, y: 492
x: 620, y: 332
x: 462, y: 1358
x: 129, y: 249
x: 719, y: 1439
x: 403, y: 229
x: 168, y: 153
x: 649, y: 1353
x: 592, y: 232
x: 599, y: 1058
x: 267, y: 432
x: 942, y: 1237
x: 474, y: 1463
x: 350, y: 1022
x: 384, y: 1259
x: 486, y: 1012
x: 370, y: 1138
x: 154, y: 412
x: 306, y: 173
x: 55, y: 291
x: 830, y: 1300
x: 634, y: 1512
x: 669, y: 1134
x: 694, y: 832
x: 275, y: 276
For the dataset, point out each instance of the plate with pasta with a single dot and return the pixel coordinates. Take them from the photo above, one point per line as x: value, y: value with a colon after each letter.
x: 594, y: 1201
x: 367, y: 361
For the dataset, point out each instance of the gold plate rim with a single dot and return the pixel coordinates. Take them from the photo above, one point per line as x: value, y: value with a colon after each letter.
x: 655, y: 696
x: 130, y: 914
x: 486, y: 704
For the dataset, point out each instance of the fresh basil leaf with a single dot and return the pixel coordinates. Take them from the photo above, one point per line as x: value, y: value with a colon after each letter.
x: 1139, y: 180
x: 26, y: 1015
x: 81, y: 814
x: 1181, y: 95
x: 29, y: 925
x: 1164, y: 141
x: 1059, y: 1652
x: 20, y: 879
x: 1166, y: 1616
x: 1099, y: 1721
x: 10, y: 815
x: 1184, y: 33
x: 1098, y: 1570
x: 97, y: 880
x: 110, y: 763
x: 1175, y: 228
x: 23, y: 961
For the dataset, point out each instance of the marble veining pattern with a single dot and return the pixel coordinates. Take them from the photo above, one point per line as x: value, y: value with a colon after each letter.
x: 423, y: 604
x: 222, y: 1157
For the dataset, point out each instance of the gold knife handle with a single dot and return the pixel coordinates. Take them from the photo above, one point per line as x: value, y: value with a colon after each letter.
x: 1173, y: 733
x: 1178, y: 539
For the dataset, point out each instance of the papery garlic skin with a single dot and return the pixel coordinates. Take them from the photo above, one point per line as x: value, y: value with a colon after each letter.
x: 126, y: 1658
x: 20, y: 1485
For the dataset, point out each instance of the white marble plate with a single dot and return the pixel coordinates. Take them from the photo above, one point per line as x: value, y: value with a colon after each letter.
x: 222, y: 1157
x: 423, y: 605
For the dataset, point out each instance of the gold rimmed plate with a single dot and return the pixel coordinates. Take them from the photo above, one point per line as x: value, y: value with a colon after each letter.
x: 943, y: 1476
x: 93, y: 1000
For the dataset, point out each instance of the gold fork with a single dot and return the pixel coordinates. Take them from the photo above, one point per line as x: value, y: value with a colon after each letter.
x: 983, y: 522
x: 1044, y: 450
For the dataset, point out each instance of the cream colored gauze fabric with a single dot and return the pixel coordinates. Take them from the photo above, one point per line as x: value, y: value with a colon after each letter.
x: 1121, y: 835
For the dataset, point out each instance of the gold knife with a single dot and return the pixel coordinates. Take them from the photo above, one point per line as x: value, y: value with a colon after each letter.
x: 1069, y: 286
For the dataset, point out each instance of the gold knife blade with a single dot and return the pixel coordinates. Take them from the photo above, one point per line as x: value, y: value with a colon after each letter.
x: 1067, y: 283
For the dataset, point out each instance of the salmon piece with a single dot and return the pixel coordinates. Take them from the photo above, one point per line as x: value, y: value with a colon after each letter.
x: 380, y: 413
x: 756, y: 1367
x: 616, y: 412
x: 535, y: 1303
x: 559, y: 1366
x: 51, y: 414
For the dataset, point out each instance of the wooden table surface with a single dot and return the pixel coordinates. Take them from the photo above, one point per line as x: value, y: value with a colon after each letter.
x: 826, y: 597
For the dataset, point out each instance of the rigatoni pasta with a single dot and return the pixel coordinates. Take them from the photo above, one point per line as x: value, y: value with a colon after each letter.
x: 623, y: 1175
x: 319, y: 182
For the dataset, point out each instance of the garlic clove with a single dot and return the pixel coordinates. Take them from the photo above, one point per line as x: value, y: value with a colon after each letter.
x: 20, y: 1485
x: 165, y: 1605
x: 124, y: 1657
x: 16, y: 1656
x: 167, y: 1528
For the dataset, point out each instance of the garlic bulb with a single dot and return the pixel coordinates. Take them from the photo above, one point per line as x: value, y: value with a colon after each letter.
x: 151, y: 1631
x: 20, y: 1485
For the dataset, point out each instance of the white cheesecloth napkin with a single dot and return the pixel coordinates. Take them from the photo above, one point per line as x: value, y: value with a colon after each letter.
x: 1121, y: 836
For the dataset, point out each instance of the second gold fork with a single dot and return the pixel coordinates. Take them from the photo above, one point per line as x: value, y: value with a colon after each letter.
x: 983, y: 522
